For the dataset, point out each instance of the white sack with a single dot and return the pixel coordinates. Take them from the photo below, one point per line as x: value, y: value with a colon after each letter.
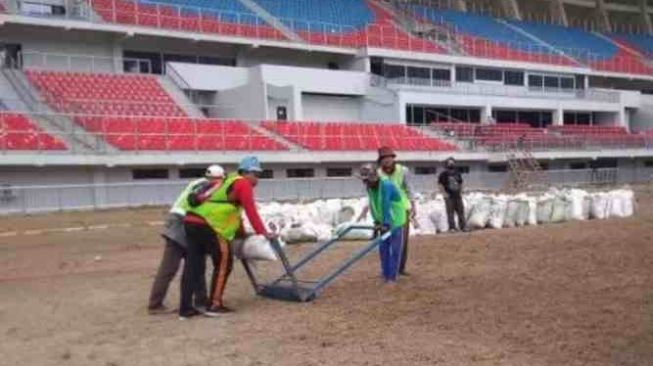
x: 498, y: 207
x: 255, y: 247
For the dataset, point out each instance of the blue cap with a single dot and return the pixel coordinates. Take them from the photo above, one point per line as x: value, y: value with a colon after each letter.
x: 250, y: 164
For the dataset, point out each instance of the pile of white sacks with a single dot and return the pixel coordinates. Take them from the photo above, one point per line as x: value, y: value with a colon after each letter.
x: 321, y: 220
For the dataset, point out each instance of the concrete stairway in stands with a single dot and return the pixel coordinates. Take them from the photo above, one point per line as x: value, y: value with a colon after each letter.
x: 61, y: 126
x: 272, y: 20
x: 280, y: 139
x: 180, y: 97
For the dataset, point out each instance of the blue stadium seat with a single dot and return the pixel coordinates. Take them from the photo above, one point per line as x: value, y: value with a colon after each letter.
x: 318, y: 15
x: 641, y: 41
x: 477, y: 25
x: 565, y: 39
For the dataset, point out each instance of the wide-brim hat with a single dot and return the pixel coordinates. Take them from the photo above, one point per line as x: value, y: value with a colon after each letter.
x: 386, y: 151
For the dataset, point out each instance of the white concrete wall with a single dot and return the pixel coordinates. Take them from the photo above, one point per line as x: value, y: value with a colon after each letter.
x: 331, y: 108
x: 211, y: 77
x: 317, y: 80
x: 245, y: 102
x: 641, y: 119
x: 66, y: 50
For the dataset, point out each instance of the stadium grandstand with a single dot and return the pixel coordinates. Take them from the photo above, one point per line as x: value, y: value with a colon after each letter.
x: 95, y: 92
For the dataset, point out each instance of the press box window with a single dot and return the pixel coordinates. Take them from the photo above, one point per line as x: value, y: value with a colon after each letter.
x: 514, y: 78
x: 149, y: 174
x: 489, y: 75
x: 579, y: 165
x: 300, y: 173
x: 465, y: 74
x: 441, y: 74
x: 187, y: 173
x: 338, y: 172
x: 535, y: 81
x: 552, y: 82
x: 425, y: 170
x: 497, y: 168
x: 567, y: 83
x: 267, y: 174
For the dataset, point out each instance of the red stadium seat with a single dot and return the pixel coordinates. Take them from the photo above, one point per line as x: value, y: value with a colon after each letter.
x: 352, y: 136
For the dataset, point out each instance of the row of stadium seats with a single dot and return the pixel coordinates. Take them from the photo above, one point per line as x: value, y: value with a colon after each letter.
x: 358, y: 23
x: 507, y: 135
x: 104, y: 94
x: 640, y: 42
x: 344, y: 136
x: 178, y: 134
x: 487, y: 37
x: 217, y: 17
x: 18, y: 132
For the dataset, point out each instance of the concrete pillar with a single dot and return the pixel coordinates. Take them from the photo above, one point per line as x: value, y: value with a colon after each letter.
x: 461, y: 5
x: 511, y: 7
x: 646, y: 18
x: 99, y: 177
x: 622, y: 119
x: 604, y: 18
x: 486, y: 115
x: 117, y: 56
x: 558, y: 117
x: 559, y: 13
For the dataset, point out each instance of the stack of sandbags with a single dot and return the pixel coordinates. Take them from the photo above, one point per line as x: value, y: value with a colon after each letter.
x: 322, y: 219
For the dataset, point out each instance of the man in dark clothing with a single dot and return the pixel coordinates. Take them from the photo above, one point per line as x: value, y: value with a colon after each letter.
x: 451, y: 186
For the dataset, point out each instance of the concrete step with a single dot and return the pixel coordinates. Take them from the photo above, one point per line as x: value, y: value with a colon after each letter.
x: 256, y: 126
x: 180, y: 97
x: 272, y: 20
x: 60, y: 125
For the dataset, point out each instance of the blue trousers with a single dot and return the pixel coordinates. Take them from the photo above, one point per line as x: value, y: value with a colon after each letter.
x: 390, y: 251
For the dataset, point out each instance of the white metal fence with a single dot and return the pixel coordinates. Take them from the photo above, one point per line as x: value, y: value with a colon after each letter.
x: 34, y: 199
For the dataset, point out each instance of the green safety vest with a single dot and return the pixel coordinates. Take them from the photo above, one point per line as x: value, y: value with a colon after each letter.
x: 181, y: 205
x: 223, y: 216
x: 398, y: 179
x: 397, y: 209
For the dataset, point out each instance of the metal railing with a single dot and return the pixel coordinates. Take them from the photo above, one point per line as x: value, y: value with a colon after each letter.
x: 217, y: 22
x: 114, y: 134
x: 500, y: 90
x: 49, y: 61
x: 47, y: 198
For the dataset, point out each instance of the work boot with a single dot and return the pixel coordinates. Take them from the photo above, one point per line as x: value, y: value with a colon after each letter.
x: 189, y: 314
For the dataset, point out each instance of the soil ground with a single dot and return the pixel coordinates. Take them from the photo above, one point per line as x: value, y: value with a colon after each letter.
x: 578, y: 293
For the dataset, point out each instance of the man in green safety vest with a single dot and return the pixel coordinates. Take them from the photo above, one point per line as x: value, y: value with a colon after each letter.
x: 400, y: 176
x: 389, y: 214
x: 177, y: 245
x: 212, y: 223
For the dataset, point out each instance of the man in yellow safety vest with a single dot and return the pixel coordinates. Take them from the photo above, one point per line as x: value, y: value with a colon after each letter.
x: 212, y: 223
x: 400, y: 176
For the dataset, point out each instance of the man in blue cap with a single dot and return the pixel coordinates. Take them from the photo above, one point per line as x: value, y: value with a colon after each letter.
x: 212, y: 223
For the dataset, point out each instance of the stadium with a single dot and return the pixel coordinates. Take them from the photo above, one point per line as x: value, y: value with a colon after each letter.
x: 108, y: 108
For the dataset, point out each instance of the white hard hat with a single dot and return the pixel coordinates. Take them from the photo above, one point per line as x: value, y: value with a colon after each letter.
x: 214, y: 171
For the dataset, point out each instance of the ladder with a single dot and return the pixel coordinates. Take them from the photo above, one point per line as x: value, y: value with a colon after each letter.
x: 288, y: 287
x: 524, y: 171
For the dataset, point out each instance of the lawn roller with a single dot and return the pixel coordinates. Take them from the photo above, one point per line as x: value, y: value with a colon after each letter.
x: 290, y: 288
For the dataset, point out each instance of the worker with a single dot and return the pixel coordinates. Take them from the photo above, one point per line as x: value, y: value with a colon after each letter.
x: 176, y: 246
x: 389, y: 214
x: 450, y: 182
x: 212, y: 223
x: 400, y: 176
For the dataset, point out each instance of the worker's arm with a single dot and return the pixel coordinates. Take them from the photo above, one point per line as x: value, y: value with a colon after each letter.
x: 200, y: 193
x: 243, y: 194
x: 408, y: 188
x: 441, y: 183
x: 387, y: 192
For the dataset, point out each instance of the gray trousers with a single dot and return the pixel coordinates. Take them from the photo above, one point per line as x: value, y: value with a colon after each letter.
x: 172, y: 256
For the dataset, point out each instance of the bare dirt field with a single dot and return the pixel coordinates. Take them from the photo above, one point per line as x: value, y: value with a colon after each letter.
x: 73, y: 292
